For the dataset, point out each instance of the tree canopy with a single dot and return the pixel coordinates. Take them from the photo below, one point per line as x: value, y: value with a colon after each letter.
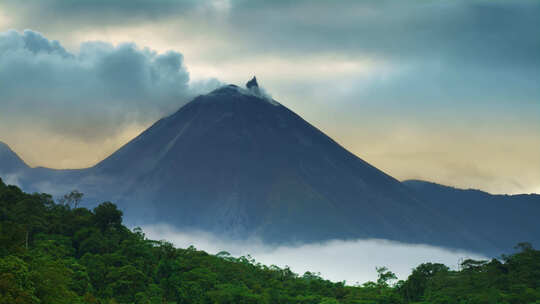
x: 60, y: 253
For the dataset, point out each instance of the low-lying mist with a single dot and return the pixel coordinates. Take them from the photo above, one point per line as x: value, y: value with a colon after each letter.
x: 353, y: 261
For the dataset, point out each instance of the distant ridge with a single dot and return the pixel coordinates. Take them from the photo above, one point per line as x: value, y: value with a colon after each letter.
x: 9, y: 160
x: 504, y: 220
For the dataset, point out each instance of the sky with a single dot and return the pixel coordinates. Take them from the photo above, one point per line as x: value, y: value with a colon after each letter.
x: 446, y: 91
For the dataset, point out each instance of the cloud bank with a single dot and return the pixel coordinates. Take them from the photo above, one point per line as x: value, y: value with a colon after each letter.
x: 353, y: 261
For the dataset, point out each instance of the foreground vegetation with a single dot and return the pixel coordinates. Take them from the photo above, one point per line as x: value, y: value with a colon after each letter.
x: 57, y: 253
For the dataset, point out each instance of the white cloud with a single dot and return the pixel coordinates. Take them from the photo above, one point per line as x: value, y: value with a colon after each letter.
x: 337, y: 260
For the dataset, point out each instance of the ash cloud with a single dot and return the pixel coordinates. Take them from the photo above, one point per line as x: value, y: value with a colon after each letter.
x: 92, y: 94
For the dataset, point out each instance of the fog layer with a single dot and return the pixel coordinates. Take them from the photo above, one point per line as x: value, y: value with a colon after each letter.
x: 353, y: 261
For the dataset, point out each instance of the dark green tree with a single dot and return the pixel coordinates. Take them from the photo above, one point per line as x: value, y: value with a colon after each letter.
x: 107, y: 216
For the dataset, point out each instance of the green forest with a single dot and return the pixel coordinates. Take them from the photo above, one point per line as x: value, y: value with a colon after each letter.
x: 55, y: 252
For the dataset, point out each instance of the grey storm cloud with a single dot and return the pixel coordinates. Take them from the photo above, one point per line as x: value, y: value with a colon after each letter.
x: 82, y: 13
x: 475, y: 32
x: 90, y: 94
x: 464, y: 32
x: 112, y: 11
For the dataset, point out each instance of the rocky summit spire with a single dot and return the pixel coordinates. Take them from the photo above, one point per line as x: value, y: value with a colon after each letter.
x: 252, y: 83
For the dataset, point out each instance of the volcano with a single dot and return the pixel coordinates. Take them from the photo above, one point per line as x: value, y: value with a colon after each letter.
x: 238, y: 163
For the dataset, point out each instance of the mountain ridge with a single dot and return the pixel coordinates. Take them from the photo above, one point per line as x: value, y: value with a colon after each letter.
x: 10, y: 161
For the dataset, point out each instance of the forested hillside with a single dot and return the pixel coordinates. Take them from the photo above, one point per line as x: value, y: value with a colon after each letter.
x: 59, y: 253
